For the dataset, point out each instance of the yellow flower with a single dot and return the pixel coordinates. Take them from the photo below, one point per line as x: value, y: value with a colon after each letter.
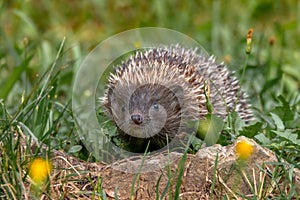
x: 244, y: 149
x: 39, y: 170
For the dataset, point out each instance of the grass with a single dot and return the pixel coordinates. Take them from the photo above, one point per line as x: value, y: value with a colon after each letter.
x: 37, y: 66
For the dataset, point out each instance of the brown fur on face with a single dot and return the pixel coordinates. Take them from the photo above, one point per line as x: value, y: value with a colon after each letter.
x: 158, y: 107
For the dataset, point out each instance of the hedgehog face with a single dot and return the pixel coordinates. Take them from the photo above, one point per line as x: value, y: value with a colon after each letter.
x: 150, y: 110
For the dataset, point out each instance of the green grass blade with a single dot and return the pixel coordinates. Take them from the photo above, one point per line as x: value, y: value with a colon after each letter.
x: 181, y: 165
x: 13, y: 78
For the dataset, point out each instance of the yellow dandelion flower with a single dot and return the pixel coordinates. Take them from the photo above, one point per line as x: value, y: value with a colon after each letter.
x: 244, y: 149
x: 39, y: 170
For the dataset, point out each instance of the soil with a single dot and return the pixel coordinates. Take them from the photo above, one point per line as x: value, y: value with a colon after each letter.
x: 213, y: 173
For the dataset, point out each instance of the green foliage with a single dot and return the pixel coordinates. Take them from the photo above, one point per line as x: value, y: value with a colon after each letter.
x: 37, y: 120
x: 283, y: 129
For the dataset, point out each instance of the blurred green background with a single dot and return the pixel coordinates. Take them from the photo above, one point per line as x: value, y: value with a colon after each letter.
x: 220, y: 26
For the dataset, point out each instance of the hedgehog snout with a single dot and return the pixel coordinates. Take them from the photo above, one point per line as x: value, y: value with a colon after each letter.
x: 137, y: 119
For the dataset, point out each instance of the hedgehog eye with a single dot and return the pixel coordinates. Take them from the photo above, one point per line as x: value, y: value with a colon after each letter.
x: 155, y: 106
x: 123, y: 109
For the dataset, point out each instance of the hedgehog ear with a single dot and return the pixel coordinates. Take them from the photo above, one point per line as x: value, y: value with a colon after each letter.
x: 179, y: 92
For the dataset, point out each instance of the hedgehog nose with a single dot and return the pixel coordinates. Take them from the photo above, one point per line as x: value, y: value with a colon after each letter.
x: 137, y: 119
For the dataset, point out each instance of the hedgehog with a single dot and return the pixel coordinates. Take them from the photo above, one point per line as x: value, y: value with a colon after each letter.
x: 155, y: 92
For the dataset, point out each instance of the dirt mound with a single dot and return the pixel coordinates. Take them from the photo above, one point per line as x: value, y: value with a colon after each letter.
x: 214, y: 172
